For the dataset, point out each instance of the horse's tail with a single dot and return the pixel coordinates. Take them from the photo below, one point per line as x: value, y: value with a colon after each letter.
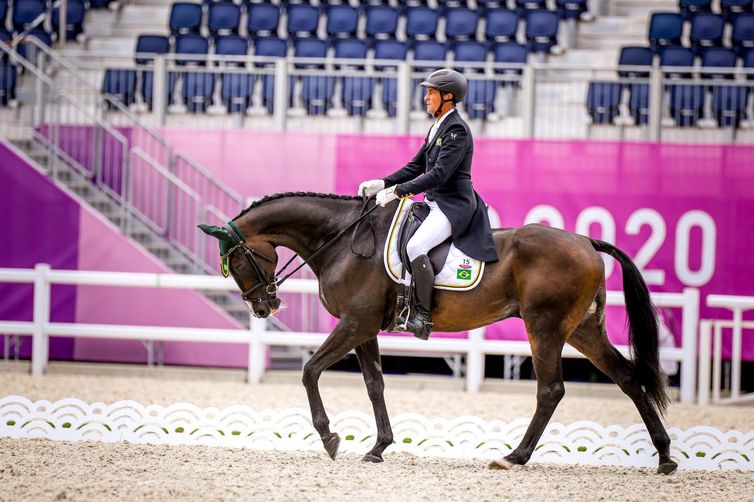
x: 642, y: 330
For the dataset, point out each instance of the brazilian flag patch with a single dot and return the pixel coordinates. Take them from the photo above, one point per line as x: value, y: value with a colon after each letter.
x: 464, y: 275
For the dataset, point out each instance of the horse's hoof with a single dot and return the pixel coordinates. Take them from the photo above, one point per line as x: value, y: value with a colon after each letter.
x: 331, y: 445
x: 501, y: 464
x: 371, y: 457
x: 667, y: 468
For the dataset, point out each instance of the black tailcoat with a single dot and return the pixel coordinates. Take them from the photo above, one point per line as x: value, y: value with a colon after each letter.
x: 442, y: 170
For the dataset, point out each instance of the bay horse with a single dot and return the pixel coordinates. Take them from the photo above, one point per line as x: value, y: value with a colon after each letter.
x: 553, y: 279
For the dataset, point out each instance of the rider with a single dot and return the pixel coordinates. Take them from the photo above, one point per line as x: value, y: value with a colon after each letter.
x: 442, y: 170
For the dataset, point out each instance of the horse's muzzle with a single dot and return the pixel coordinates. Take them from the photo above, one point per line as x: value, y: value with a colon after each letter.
x: 264, y: 308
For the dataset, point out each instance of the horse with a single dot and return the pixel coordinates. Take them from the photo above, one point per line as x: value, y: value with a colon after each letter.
x: 552, y: 279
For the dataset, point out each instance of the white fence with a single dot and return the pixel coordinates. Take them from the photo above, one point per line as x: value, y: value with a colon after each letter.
x: 474, y: 347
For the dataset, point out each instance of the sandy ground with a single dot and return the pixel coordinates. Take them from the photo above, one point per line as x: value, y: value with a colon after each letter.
x: 46, y: 470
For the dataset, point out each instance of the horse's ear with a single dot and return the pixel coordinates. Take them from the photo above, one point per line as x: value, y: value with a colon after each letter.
x: 218, y: 232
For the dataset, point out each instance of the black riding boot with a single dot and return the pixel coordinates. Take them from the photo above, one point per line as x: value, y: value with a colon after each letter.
x: 420, y: 323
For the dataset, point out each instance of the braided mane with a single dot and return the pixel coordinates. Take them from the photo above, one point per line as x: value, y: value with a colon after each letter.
x: 268, y: 198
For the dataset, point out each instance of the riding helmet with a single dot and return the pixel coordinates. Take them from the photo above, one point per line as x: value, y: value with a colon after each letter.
x: 448, y: 80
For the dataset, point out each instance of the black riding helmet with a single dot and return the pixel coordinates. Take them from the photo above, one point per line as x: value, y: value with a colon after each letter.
x: 447, y: 80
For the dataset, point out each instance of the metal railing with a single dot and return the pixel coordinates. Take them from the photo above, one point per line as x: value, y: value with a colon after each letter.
x: 474, y: 346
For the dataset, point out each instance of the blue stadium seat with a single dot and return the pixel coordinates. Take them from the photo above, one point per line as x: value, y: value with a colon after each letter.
x: 686, y: 104
x: 732, y: 8
x: 357, y: 95
x: 147, y: 87
x: 602, y: 101
x: 470, y: 51
x: 310, y: 48
x: 635, y: 56
x: 100, y: 4
x: 749, y: 63
x: 317, y: 93
x: 350, y: 48
x: 151, y: 44
x: 224, y: 19
x: 198, y: 88
x: 25, y: 12
x: 461, y: 24
x: 542, y: 30
x: 638, y: 103
x: 269, y: 47
x: 718, y: 57
x: 511, y: 53
x: 690, y: 8
x: 525, y: 6
x: 3, y: 13
x: 232, y: 45
x: 677, y: 56
x: 191, y: 44
x: 665, y: 29
x: 185, y: 18
x: 706, y: 31
x: 120, y: 84
x: 743, y: 33
x: 502, y: 25
x: 429, y: 50
x: 302, y: 21
x: 729, y: 104
x: 8, y: 79
x: 392, y: 50
x: 571, y: 9
x: 236, y: 91
x: 263, y: 20
x: 421, y: 24
x: 74, y: 19
x: 342, y: 21
x: 381, y: 23
x: 480, y: 98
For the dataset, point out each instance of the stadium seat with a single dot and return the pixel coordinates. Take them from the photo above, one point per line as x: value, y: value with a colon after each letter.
x: 421, y: 24
x: 732, y: 8
x: 151, y: 44
x: 501, y: 27
x: 635, y: 56
x: 224, y: 19
x: 429, y: 50
x: 718, y: 57
x: 729, y: 104
x: 232, y: 45
x: 706, y: 31
x: 269, y: 47
x: 571, y: 9
x: 351, y: 48
x: 147, y: 87
x: 236, y: 91
x: 393, y: 50
x: 191, y: 44
x: 665, y: 29
x: 510, y: 53
x: 381, y: 23
x: 3, y: 13
x: 677, y: 56
x: 198, y: 88
x: 302, y: 21
x: 638, y: 103
x: 743, y: 33
x: 749, y: 63
x: 310, y: 48
x: 25, y: 12
x: 185, y: 18
x: 461, y: 24
x: 100, y: 4
x: 8, y: 78
x: 690, y: 8
x: 263, y: 20
x: 602, y: 101
x: 342, y: 22
x: 74, y: 19
x: 472, y: 52
x: 317, y: 93
x: 357, y: 95
x: 480, y: 98
x: 686, y: 104
x: 120, y: 84
x: 541, y: 30
x: 525, y: 6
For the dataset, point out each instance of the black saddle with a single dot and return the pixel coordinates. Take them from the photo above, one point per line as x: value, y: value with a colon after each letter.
x: 416, y: 215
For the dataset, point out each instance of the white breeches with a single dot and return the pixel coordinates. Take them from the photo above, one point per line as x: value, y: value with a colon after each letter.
x: 432, y: 232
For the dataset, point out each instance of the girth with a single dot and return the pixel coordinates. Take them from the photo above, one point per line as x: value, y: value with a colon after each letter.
x: 416, y: 215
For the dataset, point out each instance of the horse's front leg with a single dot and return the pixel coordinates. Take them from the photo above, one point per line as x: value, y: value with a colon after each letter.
x: 371, y: 367
x: 343, y: 338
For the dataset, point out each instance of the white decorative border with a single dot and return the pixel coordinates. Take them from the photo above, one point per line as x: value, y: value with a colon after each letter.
x: 586, y: 443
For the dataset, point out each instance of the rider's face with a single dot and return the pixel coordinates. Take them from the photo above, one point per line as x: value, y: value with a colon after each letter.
x: 432, y: 99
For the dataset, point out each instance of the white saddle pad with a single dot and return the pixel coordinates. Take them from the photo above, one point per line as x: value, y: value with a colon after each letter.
x: 460, y: 272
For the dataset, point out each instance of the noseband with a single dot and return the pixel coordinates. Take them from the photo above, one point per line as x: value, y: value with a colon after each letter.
x: 270, y: 283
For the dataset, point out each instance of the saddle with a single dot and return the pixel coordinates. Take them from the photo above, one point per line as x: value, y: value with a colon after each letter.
x: 416, y: 215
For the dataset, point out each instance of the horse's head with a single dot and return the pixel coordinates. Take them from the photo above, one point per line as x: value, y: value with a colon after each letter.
x: 252, y: 265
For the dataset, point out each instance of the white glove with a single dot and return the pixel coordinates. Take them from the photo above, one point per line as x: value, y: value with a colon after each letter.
x: 387, y: 196
x: 371, y: 187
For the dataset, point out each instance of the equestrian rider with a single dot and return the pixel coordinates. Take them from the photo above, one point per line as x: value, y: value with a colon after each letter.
x: 442, y: 170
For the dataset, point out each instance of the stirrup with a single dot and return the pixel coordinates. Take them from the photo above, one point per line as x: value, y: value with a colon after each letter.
x: 420, y: 327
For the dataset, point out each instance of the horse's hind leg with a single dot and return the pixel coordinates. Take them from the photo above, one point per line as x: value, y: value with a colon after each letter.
x: 369, y: 359
x: 591, y: 340
x: 547, y: 346
x: 342, y: 339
